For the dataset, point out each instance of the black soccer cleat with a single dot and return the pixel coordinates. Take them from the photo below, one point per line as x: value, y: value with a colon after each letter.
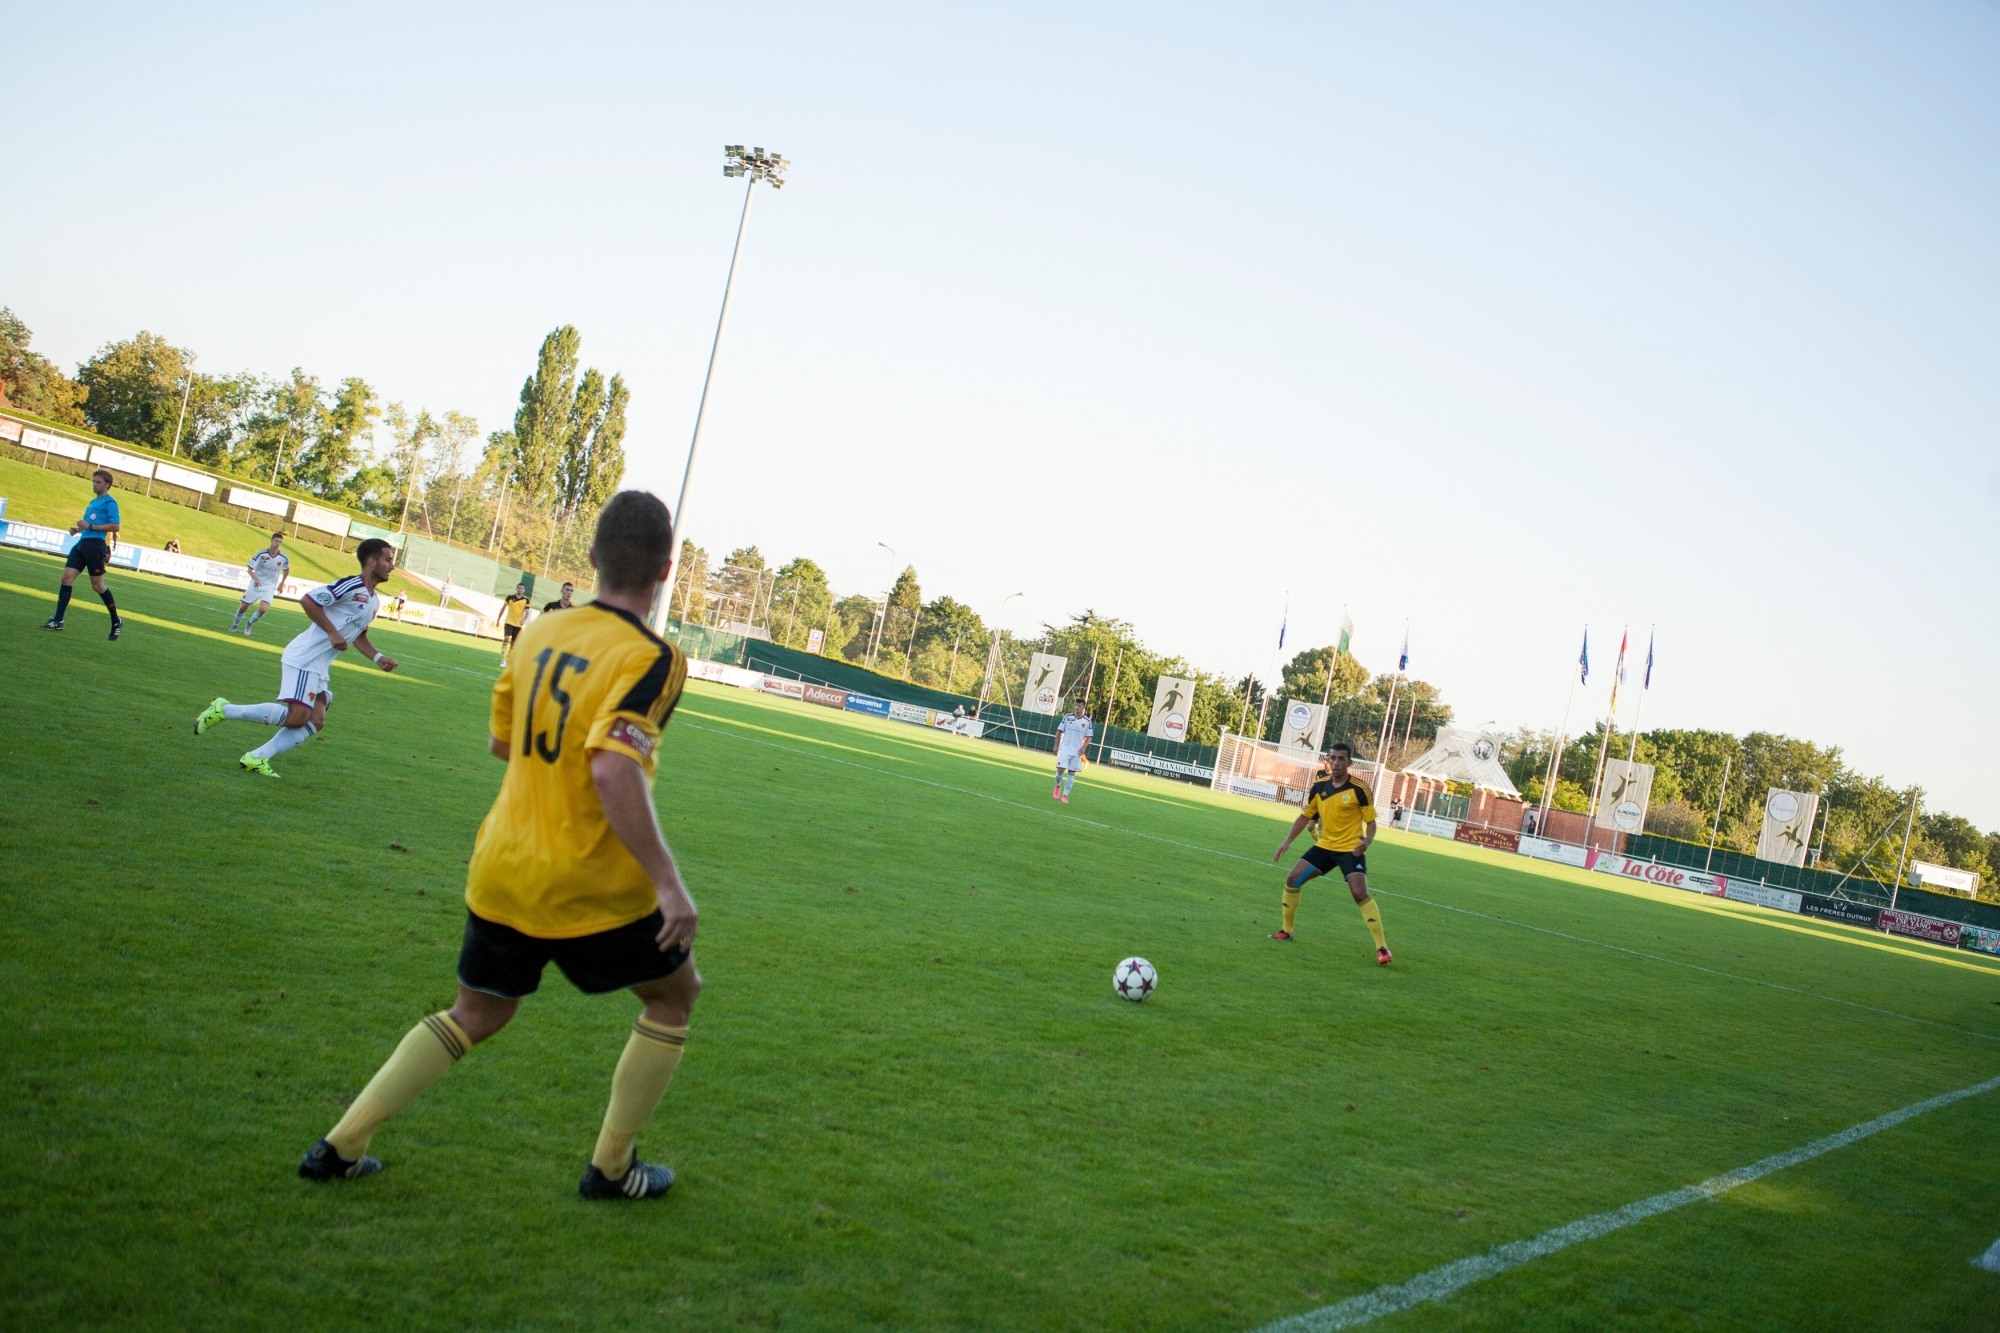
x: 117, y: 628
x: 52, y: 623
x: 324, y: 1163
x: 642, y: 1181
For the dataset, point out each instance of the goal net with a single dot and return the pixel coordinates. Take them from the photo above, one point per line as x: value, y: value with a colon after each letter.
x: 1264, y: 769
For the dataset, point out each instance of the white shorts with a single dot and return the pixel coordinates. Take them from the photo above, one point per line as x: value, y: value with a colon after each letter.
x: 302, y: 681
x: 1070, y: 763
x: 254, y: 594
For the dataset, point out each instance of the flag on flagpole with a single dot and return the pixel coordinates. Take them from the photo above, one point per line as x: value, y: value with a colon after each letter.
x: 1583, y: 660
x: 1648, y: 684
x: 1403, y: 663
x: 1283, y: 621
x: 1618, y: 672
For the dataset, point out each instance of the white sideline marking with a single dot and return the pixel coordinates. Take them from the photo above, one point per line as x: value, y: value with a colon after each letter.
x: 1990, y: 1261
x: 1442, y: 1282
x: 1386, y: 893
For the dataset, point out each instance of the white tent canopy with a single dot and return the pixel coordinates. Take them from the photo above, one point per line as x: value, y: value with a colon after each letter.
x: 1464, y: 756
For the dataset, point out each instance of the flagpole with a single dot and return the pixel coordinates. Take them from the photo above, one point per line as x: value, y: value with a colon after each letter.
x: 1554, y: 774
x: 1645, y: 685
x: 1388, y: 712
x: 1604, y: 748
x: 1276, y: 653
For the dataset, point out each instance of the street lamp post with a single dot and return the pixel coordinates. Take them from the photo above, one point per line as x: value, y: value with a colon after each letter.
x: 882, y: 621
x: 757, y: 165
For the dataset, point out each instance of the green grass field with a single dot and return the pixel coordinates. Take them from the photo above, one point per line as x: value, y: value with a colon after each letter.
x: 911, y: 1099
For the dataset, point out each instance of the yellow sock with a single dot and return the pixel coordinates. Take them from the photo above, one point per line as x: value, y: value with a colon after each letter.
x: 1291, y: 908
x: 652, y: 1053
x: 1373, y: 916
x: 426, y: 1051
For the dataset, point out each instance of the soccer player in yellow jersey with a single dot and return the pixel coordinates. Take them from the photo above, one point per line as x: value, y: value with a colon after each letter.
x: 1346, y: 813
x: 569, y: 866
x: 513, y: 613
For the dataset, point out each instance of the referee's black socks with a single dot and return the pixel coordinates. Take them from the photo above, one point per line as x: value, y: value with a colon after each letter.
x: 109, y: 603
x: 62, y: 599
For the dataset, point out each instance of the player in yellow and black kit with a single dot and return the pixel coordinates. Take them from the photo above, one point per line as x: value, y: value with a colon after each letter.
x: 1346, y: 813
x: 513, y: 613
x: 569, y: 866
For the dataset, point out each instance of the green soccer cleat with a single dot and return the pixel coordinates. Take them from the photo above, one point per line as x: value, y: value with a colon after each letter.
x: 641, y: 1181
x: 257, y: 764
x: 322, y: 1162
x: 210, y: 716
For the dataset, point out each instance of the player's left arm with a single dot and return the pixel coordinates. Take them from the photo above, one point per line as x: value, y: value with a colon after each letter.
x: 1367, y: 836
x: 383, y: 660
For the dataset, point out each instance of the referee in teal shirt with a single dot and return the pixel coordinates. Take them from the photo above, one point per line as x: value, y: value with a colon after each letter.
x: 93, y: 547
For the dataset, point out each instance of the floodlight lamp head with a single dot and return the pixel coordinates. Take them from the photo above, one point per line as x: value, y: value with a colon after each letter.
x: 756, y: 164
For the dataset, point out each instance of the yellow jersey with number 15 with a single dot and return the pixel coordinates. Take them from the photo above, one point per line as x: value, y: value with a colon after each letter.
x: 546, y: 862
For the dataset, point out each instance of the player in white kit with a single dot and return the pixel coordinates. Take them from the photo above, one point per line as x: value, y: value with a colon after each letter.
x: 340, y: 613
x: 1072, y: 737
x: 268, y: 569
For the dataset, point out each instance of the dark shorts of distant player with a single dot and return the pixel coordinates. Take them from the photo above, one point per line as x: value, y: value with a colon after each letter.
x: 1326, y: 862
x: 89, y: 553
x: 500, y: 960
x: 511, y: 632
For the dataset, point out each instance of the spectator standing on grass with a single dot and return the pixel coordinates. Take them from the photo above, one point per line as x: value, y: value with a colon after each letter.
x: 402, y: 600
x: 95, y: 532
x: 1072, y: 736
x: 563, y: 603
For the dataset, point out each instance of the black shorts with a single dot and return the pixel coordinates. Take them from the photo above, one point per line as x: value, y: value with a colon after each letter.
x: 511, y: 632
x: 1326, y: 862
x: 500, y: 960
x: 89, y: 553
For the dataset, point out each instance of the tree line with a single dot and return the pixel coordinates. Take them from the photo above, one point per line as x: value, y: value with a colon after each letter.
x: 943, y: 644
x: 527, y: 495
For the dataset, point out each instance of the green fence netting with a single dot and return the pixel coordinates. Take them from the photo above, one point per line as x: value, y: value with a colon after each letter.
x: 1805, y: 879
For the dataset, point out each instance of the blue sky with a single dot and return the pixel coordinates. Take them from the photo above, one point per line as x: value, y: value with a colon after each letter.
x: 1501, y: 321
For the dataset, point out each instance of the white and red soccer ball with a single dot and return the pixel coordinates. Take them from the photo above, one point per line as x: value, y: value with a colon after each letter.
x: 1134, y: 979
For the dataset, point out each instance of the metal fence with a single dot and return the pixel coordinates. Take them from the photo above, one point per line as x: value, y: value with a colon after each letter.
x: 1858, y: 887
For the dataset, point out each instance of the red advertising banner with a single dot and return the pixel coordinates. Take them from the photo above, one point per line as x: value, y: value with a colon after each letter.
x: 820, y: 694
x: 1920, y: 927
x: 1480, y: 836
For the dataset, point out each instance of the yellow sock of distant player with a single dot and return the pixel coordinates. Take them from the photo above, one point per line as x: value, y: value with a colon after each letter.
x: 1291, y: 908
x: 652, y: 1053
x: 1373, y: 916
x: 426, y: 1051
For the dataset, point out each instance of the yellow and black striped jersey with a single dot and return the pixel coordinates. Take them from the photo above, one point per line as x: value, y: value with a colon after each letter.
x: 546, y: 862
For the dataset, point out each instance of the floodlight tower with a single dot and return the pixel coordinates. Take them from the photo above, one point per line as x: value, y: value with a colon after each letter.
x: 757, y: 165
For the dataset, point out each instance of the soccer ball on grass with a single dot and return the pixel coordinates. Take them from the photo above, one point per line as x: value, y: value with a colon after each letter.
x: 1134, y: 979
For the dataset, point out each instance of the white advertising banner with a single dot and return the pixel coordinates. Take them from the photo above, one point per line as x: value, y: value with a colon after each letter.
x: 1624, y: 796
x: 1043, y: 691
x: 1651, y: 872
x: 257, y: 500
x: 1788, y: 826
x: 1305, y: 725
x: 121, y: 462
x: 60, y: 445
x: 1944, y: 879
x: 1761, y: 894
x: 1431, y: 824
x: 180, y: 476
x: 1173, y: 701
x: 325, y: 520
x: 1546, y: 849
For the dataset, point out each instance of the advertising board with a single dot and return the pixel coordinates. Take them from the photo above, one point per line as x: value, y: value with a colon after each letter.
x: 324, y: 520
x: 1481, y: 836
x: 1980, y: 938
x: 815, y: 640
x: 1547, y: 849
x: 35, y: 537
x: 1919, y: 927
x: 791, y: 689
x: 10, y: 430
x: 1173, y: 697
x: 902, y: 712
x: 1839, y: 909
x: 190, y: 567
x: 121, y: 462
x: 824, y: 695
x: 180, y: 476
x: 1763, y: 895
x: 1429, y: 824
x: 867, y: 703
x: 1651, y: 872
x: 257, y: 500
x: 60, y: 445
x: 1152, y: 763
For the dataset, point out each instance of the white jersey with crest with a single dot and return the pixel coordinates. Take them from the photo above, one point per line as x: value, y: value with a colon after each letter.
x: 267, y: 571
x: 351, y: 605
x: 1072, y: 734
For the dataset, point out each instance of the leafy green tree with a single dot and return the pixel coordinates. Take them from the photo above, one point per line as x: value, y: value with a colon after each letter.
x: 544, y: 419
x: 951, y: 647
x: 853, y: 627
x: 800, y: 601
x: 32, y: 382
x: 903, y: 614
x: 133, y: 389
x: 325, y: 461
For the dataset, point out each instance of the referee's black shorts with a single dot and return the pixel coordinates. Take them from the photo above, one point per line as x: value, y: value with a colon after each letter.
x: 500, y: 960
x: 89, y: 553
x: 1326, y: 862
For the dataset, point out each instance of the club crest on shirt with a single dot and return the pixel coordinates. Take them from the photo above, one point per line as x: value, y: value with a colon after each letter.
x: 626, y: 733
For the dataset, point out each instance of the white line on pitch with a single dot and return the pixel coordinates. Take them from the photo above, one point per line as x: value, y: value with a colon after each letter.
x: 1386, y: 893
x: 1442, y: 1282
x: 1990, y: 1261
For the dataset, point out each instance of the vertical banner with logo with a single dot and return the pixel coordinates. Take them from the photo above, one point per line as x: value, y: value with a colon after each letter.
x: 1305, y: 725
x: 1173, y: 700
x: 1788, y: 826
x: 1043, y: 691
x: 1627, y: 791
x: 815, y: 640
